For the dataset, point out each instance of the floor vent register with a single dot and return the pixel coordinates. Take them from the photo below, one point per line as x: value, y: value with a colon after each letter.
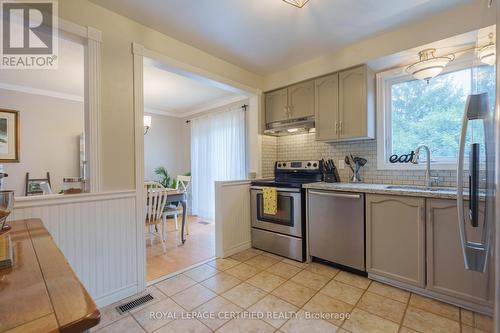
x: 124, y: 308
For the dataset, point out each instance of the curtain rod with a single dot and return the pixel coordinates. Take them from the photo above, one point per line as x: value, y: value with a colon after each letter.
x: 244, y: 107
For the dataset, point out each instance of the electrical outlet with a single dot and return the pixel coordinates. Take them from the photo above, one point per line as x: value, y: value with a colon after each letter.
x: 341, y: 164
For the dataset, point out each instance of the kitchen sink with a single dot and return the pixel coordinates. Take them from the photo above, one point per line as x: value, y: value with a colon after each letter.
x: 420, y: 188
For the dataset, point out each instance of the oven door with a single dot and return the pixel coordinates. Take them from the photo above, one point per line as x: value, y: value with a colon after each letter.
x: 288, y: 219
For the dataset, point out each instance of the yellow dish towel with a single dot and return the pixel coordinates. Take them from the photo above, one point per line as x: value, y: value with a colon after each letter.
x: 270, y: 200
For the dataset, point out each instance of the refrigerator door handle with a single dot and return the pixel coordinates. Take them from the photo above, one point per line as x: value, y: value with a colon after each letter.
x: 474, y: 185
x: 475, y: 253
x: 460, y: 185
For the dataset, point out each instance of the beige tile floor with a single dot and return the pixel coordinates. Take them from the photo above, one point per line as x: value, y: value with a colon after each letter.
x: 240, y: 294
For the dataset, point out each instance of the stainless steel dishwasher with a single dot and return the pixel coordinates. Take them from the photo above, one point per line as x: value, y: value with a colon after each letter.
x: 336, y: 227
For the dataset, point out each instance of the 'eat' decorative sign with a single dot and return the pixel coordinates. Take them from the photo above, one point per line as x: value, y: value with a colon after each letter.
x: 404, y: 158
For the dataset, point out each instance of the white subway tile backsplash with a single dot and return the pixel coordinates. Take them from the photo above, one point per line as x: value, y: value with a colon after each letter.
x: 269, y: 155
x: 305, y: 146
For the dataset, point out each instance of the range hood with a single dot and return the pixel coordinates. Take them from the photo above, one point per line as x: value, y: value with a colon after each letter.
x: 290, y: 127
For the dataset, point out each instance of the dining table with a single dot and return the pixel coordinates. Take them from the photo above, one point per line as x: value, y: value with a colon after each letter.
x: 178, y: 195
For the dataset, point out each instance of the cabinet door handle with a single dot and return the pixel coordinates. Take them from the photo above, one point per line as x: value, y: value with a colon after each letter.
x: 340, y: 125
x: 336, y: 127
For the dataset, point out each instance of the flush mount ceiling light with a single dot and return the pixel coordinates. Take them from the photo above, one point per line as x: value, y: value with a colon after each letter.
x: 429, y: 65
x: 487, y: 54
x: 297, y: 3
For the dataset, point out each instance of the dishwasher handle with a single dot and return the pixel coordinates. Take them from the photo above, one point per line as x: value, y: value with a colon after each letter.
x: 336, y: 195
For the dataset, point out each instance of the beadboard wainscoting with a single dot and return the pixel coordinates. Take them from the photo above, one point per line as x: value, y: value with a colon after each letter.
x: 97, y: 235
x: 232, y: 217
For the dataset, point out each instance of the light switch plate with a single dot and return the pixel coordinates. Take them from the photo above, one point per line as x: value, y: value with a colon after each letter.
x: 341, y: 164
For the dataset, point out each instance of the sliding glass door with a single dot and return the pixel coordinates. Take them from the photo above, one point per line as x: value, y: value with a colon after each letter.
x: 218, y: 152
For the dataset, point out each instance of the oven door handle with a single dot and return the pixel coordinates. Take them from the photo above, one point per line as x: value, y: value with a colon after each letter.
x: 279, y: 189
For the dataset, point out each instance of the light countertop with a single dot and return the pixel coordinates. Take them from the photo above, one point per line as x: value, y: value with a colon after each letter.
x: 390, y: 189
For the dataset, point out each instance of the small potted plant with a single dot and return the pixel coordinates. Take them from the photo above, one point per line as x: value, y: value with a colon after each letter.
x: 164, y: 178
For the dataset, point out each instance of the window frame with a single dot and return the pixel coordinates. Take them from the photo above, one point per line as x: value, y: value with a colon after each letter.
x: 384, y: 82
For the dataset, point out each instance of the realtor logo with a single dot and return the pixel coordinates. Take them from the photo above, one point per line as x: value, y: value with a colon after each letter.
x: 29, y: 34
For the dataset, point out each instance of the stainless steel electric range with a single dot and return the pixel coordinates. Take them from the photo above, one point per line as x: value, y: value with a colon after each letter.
x: 284, y: 233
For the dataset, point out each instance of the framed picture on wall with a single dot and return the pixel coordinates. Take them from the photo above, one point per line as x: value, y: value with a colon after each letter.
x: 9, y: 136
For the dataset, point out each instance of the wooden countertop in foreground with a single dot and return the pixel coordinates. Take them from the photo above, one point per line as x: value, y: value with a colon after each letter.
x: 41, y: 293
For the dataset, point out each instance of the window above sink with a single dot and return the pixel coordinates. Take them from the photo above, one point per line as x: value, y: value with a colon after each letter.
x: 411, y: 112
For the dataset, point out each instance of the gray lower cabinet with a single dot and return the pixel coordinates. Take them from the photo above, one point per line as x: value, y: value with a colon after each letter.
x: 395, y: 238
x: 445, y: 265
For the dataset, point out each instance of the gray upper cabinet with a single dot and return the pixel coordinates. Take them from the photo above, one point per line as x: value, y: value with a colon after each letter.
x: 446, y: 273
x: 356, y: 103
x: 294, y: 102
x: 301, y: 100
x: 276, y: 105
x: 326, y: 107
x: 395, y: 238
x: 344, y: 105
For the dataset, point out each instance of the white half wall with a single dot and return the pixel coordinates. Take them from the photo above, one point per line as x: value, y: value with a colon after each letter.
x: 232, y: 213
x: 168, y: 144
x: 96, y: 232
x: 50, y: 131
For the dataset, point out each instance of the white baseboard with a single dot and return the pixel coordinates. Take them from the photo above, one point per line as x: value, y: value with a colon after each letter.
x: 238, y: 248
x: 116, y: 296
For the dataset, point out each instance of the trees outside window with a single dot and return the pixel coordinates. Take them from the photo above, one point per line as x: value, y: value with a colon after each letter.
x: 431, y: 113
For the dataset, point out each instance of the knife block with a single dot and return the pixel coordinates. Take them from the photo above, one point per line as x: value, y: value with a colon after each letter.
x: 6, y: 254
x: 329, y: 178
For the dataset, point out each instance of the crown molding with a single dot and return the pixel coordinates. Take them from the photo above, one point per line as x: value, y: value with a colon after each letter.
x: 213, y: 105
x: 160, y: 112
x: 183, y: 113
x: 41, y: 92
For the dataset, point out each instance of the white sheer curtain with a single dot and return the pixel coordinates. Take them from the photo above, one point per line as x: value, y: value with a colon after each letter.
x: 217, y: 153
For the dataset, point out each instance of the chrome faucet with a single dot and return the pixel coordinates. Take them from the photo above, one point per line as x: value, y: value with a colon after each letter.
x: 414, y: 160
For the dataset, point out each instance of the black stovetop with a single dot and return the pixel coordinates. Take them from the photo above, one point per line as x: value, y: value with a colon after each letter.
x: 293, y: 174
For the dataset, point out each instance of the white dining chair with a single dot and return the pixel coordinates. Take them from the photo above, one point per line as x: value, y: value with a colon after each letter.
x: 183, y: 183
x: 155, y: 214
x: 152, y: 185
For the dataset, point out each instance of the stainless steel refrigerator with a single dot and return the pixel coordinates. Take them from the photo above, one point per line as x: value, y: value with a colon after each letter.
x: 478, y: 176
x: 496, y: 218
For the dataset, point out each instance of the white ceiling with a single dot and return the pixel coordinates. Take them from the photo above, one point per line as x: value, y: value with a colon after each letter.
x: 67, y: 81
x: 265, y: 36
x: 176, y: 95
